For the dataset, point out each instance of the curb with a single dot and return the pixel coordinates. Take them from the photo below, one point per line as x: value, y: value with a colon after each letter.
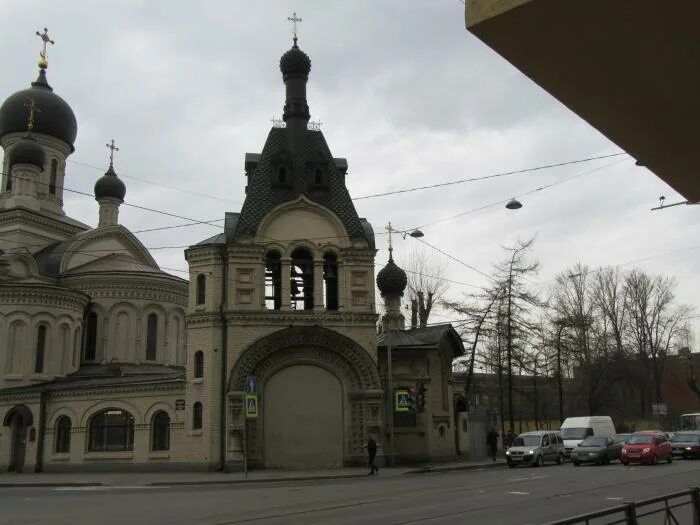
x: 453, y: 468
x: 259, y: 480
x: 49, y: 484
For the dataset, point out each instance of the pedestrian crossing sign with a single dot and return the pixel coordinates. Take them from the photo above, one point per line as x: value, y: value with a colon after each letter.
x: 251, y: 406
x: 401, y: 401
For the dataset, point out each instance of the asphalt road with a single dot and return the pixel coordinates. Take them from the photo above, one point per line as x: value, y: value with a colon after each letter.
x: 490, y: 496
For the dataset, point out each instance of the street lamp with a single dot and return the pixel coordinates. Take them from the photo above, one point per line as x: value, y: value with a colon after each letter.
x: 514, y: 204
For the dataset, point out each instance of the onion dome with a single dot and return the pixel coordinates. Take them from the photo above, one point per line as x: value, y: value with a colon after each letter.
x: 391, y: 280
x: 27, y: 151
x: 295, y: 62
x: 109, y: 185
x: 55, y: 118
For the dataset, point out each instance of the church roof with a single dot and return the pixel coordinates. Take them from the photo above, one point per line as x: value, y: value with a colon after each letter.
x: 428, y: 337
x: 99, y: 376
x: 263, y: 195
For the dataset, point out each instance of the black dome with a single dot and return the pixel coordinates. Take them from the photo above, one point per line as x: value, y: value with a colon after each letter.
x: 295, y: 62
x: 109, y: 185
x: 27, y: 151
x: 55, y: 117
x: 391, y: 280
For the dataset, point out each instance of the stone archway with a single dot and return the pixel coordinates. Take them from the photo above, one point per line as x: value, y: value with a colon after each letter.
x: 320, y: 394
x: 19, y: 419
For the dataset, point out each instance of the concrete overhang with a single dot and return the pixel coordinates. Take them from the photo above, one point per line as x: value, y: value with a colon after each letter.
x: 630, y: 68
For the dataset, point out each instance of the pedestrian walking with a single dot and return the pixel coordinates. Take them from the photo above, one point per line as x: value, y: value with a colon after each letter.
x: 372, y: 453
x: 508, y: 440
x: 492, y: 442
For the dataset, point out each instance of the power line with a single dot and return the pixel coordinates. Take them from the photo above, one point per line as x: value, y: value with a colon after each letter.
x: 485, y: 177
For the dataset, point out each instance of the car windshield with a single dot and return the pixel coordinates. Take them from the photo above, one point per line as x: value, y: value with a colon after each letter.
x: 575, y: 433
x: 640, y: 440
x: 527, y: 441
x: 594, y: 442
x: 685, y: 438
x: 621, y: 438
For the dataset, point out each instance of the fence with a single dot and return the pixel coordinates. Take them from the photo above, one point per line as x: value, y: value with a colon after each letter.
x: 676, y: 508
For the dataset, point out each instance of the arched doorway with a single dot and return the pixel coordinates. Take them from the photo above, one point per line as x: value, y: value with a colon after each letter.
x: 320, y: 397
x: 303, y: 418
x: 19, y: 419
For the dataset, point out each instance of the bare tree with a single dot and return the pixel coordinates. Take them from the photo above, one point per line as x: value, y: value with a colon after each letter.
x: 426, y: 283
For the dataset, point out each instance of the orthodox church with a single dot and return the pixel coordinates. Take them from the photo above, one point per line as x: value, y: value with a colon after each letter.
x: 267, y: 357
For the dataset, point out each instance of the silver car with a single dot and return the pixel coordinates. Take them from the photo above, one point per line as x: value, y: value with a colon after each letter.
x: 534, y: 448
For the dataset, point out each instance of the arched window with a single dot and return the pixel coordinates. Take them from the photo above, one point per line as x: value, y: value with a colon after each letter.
x: 151, y: 337
x: 201, y: 288
x: 302, y: 280
x: 273, y: 281
x: 76, y: 348
x: 8, y: 184
x: 330, y: 280
x: 63, y: 428
x: 199, y: 364
x: 318, y: 177
x: 40, y: 349
x: 282, y: 175
x: 111, y: 430
x: 197, y: 416
x: 52, y: 179
x: 16, y: 345
x: 160, y: 431
x: 91, y: 337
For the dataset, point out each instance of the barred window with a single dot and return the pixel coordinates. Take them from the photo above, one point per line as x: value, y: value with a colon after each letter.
x: 197, y: 416
x: 63, y: 428
x: 111, y: 430
x: 160, y: 431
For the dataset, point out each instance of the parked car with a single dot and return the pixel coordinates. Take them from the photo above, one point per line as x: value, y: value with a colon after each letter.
x: 534, y: 448
x: 596, y: 449
x: 646, y: 447
x: 622, y: 437
x: 686, y: 444
x: 576, y: 429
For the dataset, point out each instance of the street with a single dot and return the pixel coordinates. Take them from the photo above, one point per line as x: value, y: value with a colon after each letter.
x: 494, y: 495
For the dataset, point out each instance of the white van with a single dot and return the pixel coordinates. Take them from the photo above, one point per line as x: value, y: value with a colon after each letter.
x: 575, y: 429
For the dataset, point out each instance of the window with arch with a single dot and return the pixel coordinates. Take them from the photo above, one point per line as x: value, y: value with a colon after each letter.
x: 201, y: 288
x: 111, y: 430
x: 318, y: 177
x: 8, y: 181
x: 282, y: 175
x: 76, y: 348
x: 40, y: 349
x: 160, y: 431
x: 16, y: 344
x: 52, y: 179
x: 91, y: 336
x: 197, y: 416
x: 63, y: 428
x: 302, y: 280
x: 330, y: 281
x: 199, y: 364
x: 151, y: 337
x: 273, y: 280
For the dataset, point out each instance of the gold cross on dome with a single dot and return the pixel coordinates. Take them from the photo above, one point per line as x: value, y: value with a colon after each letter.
x: 389, y: 231
x: 112, y: 149
x: 43, y: 63
x: 33, y: 109
x: 294, y: 19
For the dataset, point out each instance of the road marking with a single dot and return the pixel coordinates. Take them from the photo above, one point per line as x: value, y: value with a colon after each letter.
x: 519, y: 493
x: 529, y: 478
x: 98, y: 488
x: 614, y: 499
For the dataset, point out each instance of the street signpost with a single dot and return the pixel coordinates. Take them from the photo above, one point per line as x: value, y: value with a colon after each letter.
x: 251, y: 411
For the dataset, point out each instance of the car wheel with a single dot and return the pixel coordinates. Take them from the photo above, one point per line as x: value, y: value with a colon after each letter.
x: 625, y: 463
x: 539, y: 461
x: 654, y: 460
x: 670, y: 458
x: 576, y: 463
x: 560, y: 459
x: 510, y: 465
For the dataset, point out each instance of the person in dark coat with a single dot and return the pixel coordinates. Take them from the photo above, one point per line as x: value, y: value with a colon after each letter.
x: 372, y: 453
x: 508, y: 440
x: 492, y: 442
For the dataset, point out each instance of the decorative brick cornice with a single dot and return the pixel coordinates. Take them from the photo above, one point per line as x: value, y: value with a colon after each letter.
x: 20, y: 215
x: 174, y: 387
x: 131, y: 286
x: 45, y: 295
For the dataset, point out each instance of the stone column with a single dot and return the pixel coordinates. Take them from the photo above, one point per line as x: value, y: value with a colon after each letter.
x: 319, y: 299
x: 109, y: 211
x: 285, y: 276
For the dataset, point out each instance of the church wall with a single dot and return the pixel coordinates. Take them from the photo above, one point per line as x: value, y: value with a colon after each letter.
x: 80, y: 406
x: 31, y: 401
x: 440, y: 424
x: 23, y: 309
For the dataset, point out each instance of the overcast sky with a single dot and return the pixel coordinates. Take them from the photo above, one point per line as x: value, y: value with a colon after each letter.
x: 404, y: 92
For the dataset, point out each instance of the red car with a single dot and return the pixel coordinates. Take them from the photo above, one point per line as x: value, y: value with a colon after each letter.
x: 646, y: 447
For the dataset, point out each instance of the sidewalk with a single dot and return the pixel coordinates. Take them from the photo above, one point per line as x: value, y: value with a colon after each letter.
x: 141, y: 479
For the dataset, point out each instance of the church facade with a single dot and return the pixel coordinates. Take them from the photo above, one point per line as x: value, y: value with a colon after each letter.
x: 107, y: 362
